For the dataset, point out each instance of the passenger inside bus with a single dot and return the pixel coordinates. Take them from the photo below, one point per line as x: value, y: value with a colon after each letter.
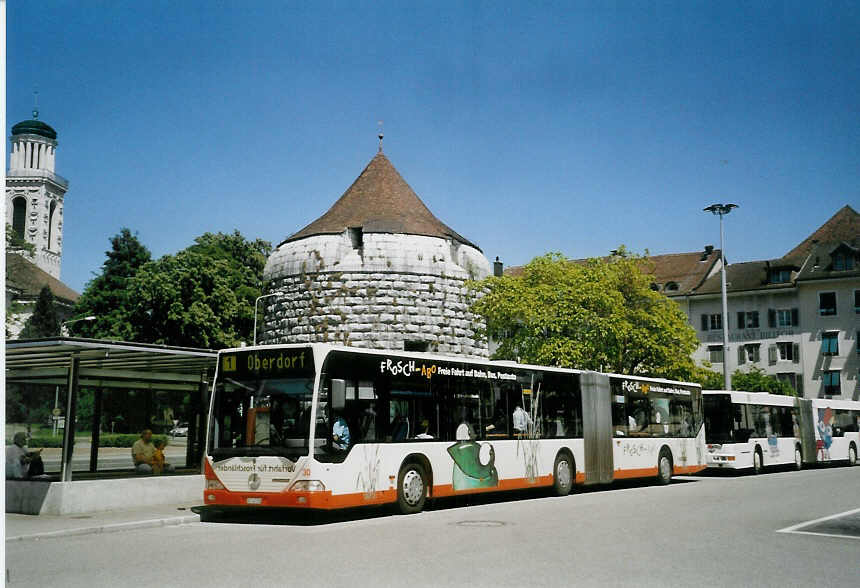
x: 340, y: 434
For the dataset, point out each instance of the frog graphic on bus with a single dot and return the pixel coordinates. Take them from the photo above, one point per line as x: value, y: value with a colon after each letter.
x: 474, y: 465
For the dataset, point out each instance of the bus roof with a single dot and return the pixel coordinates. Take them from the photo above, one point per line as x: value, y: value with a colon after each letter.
x: 765, y: 398
x: 327, y: 347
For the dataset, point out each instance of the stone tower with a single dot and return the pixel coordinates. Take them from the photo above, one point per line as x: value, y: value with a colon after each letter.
x: 378, y: 270
x: 34, y: 192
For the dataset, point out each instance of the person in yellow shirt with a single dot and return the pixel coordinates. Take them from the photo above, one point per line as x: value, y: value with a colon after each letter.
x: 158, y: 457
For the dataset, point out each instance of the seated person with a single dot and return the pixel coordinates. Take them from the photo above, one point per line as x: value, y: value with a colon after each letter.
x: 340, y: 434
x: 21, y: 463
x: 158, y: 462
x: 143, y: 454
x: 425, y: 430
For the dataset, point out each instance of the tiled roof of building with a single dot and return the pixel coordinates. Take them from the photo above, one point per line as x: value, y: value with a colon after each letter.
x: 674, y: 273
x: 842, y: 226
x: 380, y: 201
x: 27, y: 280
x: 819, y: 265
x: 749, y: 275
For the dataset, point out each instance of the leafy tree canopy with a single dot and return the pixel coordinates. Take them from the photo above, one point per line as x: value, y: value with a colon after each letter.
x: 14, y: 241
x: 756, y: 380
x: 44, y: 322
x: 203, y: 296
x: 106, y: 296
x: 599, y: 314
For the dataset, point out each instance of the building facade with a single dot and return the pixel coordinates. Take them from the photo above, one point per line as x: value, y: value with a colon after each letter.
x: 35, y: 196
x: 378, y: 270
x: 796, y: 318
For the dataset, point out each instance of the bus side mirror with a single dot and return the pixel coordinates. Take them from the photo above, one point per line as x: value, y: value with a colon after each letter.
x: 338, y: 394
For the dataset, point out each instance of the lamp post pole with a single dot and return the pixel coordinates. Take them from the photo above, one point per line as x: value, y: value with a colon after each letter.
x: 256, y: 302
x: 77, y: 320
x: 722, y: 210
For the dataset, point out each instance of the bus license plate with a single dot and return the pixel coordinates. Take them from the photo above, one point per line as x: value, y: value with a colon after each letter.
x: 254, y: 500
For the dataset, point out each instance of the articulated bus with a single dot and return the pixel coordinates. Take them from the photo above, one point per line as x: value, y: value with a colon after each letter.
x: 751, y: 430
x: 326, y: 427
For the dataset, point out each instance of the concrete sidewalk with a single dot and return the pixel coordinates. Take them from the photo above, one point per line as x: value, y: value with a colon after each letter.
x: 21, y: 527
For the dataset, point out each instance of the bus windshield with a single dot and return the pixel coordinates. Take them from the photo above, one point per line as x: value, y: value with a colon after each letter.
x: 719, y: 427
x: 258, y: 410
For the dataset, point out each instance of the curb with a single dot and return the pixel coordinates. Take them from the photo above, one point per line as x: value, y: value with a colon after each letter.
x: 112, y: 528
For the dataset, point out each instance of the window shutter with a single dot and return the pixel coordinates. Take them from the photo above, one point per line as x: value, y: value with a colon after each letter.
x: 771, y: 318
x: 741, y: 321
x: 742, y: 355
x: 771, y: 354
x: 795, y: 353
x: 798, y: 380
x: 704, y: 322
x: 795, y: 317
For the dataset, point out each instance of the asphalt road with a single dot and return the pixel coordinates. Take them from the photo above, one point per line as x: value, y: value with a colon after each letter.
x: 708, y: 531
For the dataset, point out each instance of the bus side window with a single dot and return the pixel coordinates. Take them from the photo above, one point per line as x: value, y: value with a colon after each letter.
x: 742, y: 428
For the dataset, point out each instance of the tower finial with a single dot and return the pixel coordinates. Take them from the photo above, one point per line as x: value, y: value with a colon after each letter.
x: 380, y: 135
x: 35, y: 104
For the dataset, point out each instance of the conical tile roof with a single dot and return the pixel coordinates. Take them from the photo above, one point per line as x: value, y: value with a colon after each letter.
x: 842, y: 226
x: 380, y: 201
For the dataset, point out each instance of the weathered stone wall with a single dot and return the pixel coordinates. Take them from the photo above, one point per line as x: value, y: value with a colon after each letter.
x: 396, y: 288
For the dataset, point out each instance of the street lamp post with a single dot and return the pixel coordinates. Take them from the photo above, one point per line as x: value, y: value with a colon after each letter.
x: 722, y: 210
x: 256, y: 302
x: 77, y: 320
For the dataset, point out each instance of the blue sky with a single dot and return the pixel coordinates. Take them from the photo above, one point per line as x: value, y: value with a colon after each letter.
x: 569, y: 127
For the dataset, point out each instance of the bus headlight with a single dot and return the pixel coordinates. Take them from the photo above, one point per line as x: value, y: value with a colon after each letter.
x: 308, y: 486
x: 214, y: 485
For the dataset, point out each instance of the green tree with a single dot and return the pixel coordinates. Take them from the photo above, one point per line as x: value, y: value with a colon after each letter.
x: 44, y: 322
x: 14, y: 241
x: 756, y: 380
x: 185, y: 299
x: 106, y: 296
x: 599, y: 314
x: 246, y: 260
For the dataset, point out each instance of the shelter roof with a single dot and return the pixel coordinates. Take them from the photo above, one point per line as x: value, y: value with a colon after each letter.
x: 380, y: 201
x: 107, y: 363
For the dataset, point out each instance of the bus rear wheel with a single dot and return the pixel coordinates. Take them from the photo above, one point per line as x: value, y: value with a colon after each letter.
x: 798, y: 459
x: 664, y: 467
x: 562, y: 479
x: 757, y: 461
x: 852, y: 455
x: 411, y: 488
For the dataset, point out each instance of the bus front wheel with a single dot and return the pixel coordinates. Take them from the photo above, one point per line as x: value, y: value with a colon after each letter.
x: 757, y: 461
x: 852, y: 455
x: 664, y: 468
x: 562, y: 478
x: 411, y: 488
x: 798, y: 459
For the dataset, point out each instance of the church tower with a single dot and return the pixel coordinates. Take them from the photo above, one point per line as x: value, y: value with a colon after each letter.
x: 34, y: 192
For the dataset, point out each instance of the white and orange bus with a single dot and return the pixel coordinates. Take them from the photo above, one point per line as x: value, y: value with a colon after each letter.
x: 754, y: 430
x: 400, y: 427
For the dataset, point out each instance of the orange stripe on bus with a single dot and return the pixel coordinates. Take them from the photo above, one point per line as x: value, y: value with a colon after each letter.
x: 635, y: 473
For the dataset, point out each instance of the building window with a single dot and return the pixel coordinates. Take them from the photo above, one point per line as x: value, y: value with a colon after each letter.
x: 749, y: 353
x: 748, y: 320
x: 420, y: 346
x: 830, y: 381
x: 19, y: 216
x: 780, y: 276
x: 356, y: 237
x: 842, y: 261
x: 52, y: 232
x: 792, y: 379
x: 672, y: 287
x: 712, y: 322
x: 787, y: 351
x: 783, y: 317
x: 715, y: 353
x: 830, y: 343
x: 827, y: 303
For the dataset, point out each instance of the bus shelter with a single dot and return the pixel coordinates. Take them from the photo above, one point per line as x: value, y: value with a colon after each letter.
x: 117, y: 387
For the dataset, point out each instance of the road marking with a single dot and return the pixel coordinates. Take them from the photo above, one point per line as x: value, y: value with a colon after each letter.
x: 794, y: 528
